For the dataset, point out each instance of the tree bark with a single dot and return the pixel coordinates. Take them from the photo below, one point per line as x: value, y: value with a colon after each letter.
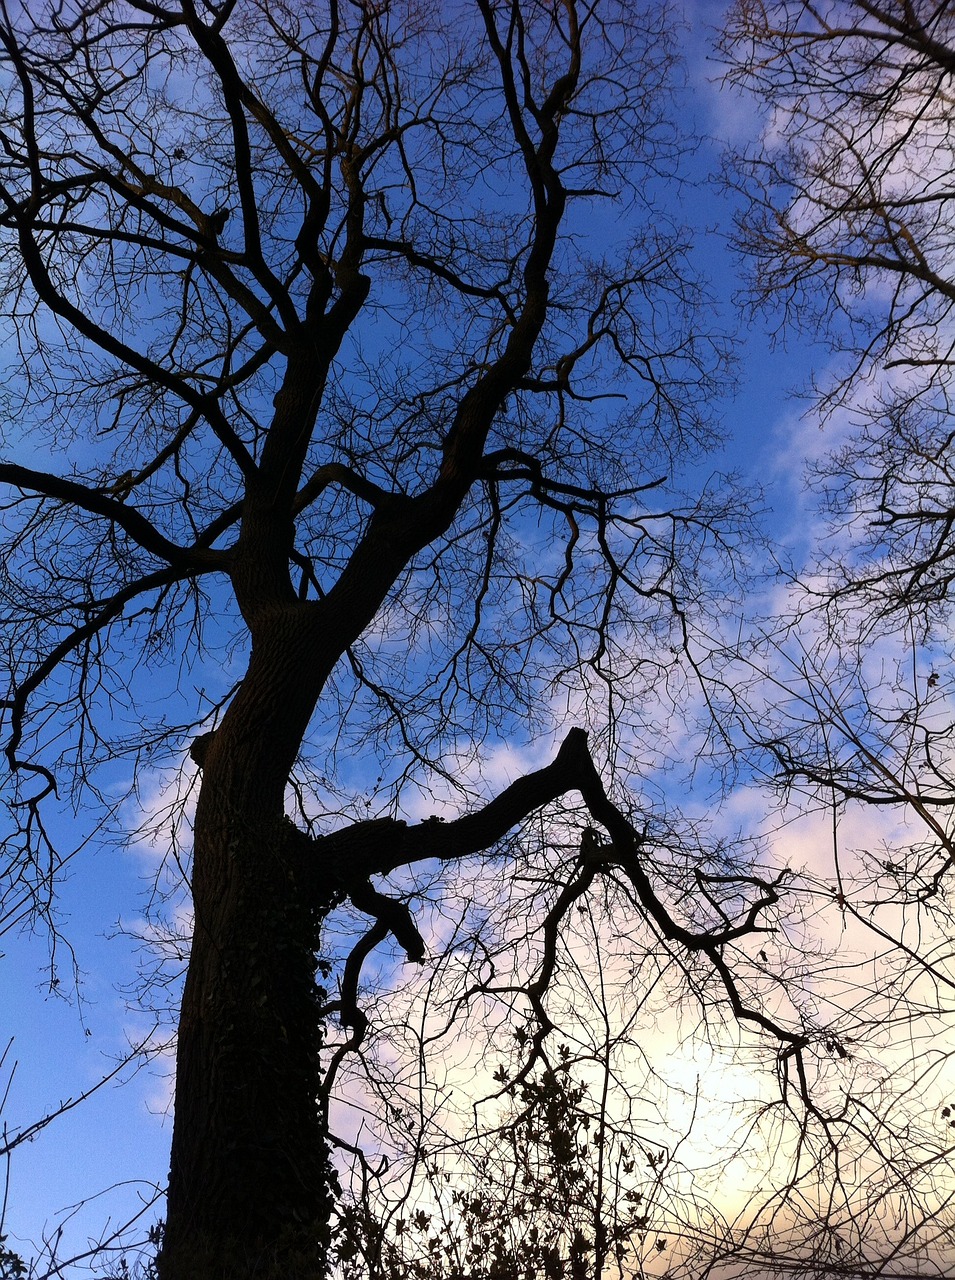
x: 249, y: 1190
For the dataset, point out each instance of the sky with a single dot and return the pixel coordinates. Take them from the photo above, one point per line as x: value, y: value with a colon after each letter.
x: 117, y: 1141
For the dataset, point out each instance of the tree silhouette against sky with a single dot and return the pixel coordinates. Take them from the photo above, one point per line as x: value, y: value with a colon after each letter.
x: 332, y: 354
x: 354, y: 353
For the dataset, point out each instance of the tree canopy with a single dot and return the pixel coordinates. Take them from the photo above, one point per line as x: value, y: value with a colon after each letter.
x: 354, y: 355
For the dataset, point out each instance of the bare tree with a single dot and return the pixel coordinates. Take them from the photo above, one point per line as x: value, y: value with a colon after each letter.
x: 329, y: 361
x: 850, y: 219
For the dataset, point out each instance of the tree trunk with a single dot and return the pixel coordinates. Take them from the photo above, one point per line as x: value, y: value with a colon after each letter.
x: 250, y: 1182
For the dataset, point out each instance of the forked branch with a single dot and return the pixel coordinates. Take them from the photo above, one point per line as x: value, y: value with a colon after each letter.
x: 377, y: 847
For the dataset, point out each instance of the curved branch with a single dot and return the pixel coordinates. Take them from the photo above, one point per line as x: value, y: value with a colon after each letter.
x: 383, y: 845
x: 110, y: 609
x: 338, y: 473
x: 392, y: 915
x: 142, y: 531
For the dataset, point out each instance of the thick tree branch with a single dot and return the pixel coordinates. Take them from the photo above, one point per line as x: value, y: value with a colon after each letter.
x: 392, y: 915
x: 380, y: 846
x: 127, y: 518
x: 338, y: 473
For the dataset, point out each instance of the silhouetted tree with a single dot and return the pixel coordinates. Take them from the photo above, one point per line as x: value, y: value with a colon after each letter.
x: 330, y: 359
x: 849, y: 219
x: 536, y: 1198
x: 849, y: 216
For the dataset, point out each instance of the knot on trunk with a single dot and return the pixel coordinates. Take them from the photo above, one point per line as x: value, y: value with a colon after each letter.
x: 199, y: 747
